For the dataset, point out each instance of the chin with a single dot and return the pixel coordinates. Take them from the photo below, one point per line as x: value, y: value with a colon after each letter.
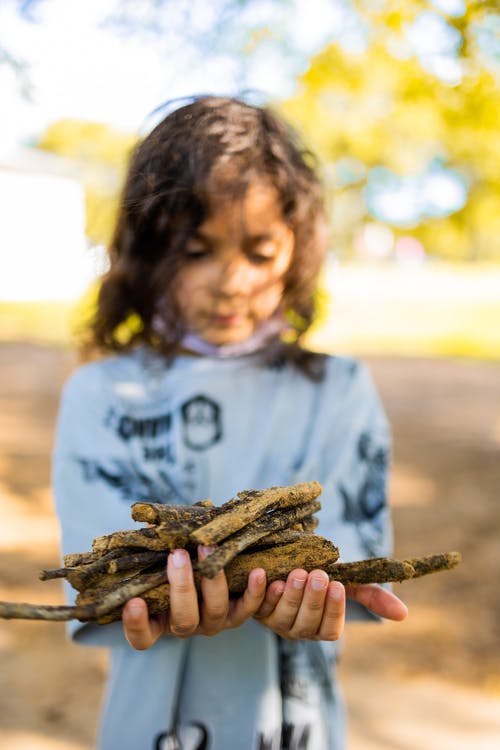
x: 222, y: 338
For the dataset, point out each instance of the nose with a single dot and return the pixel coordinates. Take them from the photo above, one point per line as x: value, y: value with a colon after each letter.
x: 234, y: 277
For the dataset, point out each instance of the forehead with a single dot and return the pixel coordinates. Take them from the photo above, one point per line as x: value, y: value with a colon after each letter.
x: 258, y: 207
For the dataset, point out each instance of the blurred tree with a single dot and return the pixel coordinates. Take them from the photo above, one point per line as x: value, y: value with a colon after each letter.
x: 402, y: 106
x: 102, y: 153
x: 385, y: 106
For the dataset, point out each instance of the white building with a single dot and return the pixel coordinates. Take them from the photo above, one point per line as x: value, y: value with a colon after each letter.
x: 44, y: 252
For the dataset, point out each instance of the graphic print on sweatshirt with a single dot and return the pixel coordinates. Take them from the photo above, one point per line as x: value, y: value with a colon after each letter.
x: 365, y: 505
x: 163, y: 449
x: 194, y: 736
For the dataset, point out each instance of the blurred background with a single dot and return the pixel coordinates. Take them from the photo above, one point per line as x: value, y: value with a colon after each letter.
x: 401, y: 103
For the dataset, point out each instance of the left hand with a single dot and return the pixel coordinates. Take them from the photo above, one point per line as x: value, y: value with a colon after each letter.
x: 309, y: 607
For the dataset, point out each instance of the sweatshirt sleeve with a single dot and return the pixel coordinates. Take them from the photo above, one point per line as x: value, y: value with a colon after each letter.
x: 93, y: 478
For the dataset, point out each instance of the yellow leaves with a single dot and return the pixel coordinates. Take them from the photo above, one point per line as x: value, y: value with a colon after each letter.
x: 88, y: 141
x: 485, y: 209
x: 129, y: 328
x: 383, y: 110
x: 101, y: 210
x: 102, y: 153
x: 446, y: 238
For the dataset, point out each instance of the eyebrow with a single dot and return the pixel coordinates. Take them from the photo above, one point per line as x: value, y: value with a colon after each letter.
x: 261, y: 237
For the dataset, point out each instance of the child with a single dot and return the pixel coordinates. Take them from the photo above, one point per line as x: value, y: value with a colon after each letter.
x: 219, y: 240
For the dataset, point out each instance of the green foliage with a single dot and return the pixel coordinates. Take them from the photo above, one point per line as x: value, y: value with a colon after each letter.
x: 382, y: 108
x: 102, y: 153
x: 378, y: 108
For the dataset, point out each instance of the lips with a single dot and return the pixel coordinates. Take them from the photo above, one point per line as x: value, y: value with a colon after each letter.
x: 228, y: 319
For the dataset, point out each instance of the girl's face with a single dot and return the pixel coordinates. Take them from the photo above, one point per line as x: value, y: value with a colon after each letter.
x: 232, y: 278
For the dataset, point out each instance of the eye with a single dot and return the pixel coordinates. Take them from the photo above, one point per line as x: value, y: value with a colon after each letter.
x: 196, y: 251
x: 260, y: 258
x: 261, y: 252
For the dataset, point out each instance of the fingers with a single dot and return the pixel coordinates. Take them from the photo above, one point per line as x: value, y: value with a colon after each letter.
x: 379, y: 600
x: 333, y: 620
x: 215, y: 595
x: 288, y: 607
x: 318, y: 615
x: 140, y: 631
x: 308, y: 620
x: 184, y: 614
x: 306, y: 607
x: 251, y: 601
x: 272, y: 596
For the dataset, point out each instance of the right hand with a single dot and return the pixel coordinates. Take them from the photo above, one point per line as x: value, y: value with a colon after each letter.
x: 187, y: 615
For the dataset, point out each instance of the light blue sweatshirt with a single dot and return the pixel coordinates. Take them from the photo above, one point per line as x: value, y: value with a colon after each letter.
x: 132, y: 429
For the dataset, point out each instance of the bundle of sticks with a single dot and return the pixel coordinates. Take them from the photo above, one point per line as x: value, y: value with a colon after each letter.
x: 271, y: 528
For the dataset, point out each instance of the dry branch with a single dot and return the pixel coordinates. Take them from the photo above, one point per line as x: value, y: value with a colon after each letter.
x: 157, y: 513
x: 249, y: 535
x: 251, y: 505
x: 82, y: 578
x: 270, y: 529
x: 159, y: 538
x: 434, y: 563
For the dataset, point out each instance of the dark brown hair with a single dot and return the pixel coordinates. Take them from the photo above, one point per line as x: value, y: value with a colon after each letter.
x: 166, y: 197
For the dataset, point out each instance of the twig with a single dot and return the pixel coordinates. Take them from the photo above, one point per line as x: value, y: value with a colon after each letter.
x: 158, y: 513
x: 252, y: 505
x: 255, y: 532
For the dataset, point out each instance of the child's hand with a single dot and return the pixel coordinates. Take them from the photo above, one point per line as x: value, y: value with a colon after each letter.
x: 187, y: 616
x: 309, y: 607
x: 306, y: 607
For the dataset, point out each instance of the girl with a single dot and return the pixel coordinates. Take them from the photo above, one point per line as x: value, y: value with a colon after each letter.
x: 213, y: 268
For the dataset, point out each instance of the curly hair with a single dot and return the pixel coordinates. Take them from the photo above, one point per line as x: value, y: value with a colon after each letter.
x: 166, y: 197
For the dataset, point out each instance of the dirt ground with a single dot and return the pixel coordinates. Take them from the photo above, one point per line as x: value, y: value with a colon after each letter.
x: 432, y: 682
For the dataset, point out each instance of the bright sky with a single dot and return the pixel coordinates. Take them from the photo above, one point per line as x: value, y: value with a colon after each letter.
x: 79, y: 68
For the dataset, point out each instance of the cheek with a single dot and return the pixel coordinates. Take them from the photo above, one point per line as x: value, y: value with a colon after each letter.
x: 184, y: 292
x: 269, y: 298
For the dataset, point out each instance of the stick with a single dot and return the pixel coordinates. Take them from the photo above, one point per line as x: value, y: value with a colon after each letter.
x: 87, y: 558
x: 79, y: 558
x: 88, y: 561
x: 277, y: 538
x: 24, y: 611
x: 85, y: 612
x: 53, y: 573
x: 310, y: 552
x: 252, y: 505
x: 375, y: 570
x: 157, y: 513
x: 159, y: 538
x: 434, y: 563
x: 254, y: 532
x: 84, y: 577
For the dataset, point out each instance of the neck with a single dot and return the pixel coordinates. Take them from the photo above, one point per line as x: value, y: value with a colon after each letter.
x: 260, y: 339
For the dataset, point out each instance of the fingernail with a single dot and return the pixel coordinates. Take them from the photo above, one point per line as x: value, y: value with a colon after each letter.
x: 318, y: 583
x: 299, y: 583
x: 336, y: 593
x: 260, y: 577
x: 203, y: 552
x: 134, y: 609
x: 179, y: 558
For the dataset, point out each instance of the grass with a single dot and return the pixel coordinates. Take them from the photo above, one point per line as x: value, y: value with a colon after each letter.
x: 449, y: 311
